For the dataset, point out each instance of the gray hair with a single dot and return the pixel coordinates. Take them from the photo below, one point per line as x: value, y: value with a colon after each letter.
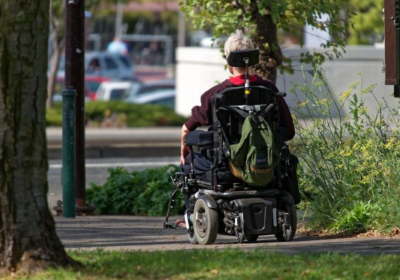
x: 237, y: 42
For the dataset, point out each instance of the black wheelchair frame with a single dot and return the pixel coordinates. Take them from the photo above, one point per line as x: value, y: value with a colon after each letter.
x: 225, y: 204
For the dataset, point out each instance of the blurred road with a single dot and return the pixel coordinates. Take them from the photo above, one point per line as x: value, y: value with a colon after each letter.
x: 121, y: 142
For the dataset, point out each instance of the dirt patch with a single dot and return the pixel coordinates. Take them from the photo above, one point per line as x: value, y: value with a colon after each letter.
x: 394, y: 233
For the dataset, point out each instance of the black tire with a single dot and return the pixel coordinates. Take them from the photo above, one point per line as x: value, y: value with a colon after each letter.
x: 251, y: 238
x: 292, y: 217
x: 191, y: 236
x: 240, y: 236
x: 205, y: 223
x: 190, y: 233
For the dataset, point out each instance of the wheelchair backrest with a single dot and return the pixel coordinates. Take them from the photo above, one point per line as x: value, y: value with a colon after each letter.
x: 231, y: 122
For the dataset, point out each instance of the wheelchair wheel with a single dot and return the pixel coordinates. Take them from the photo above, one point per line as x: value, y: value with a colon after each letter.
x: 251, y: 238
x: 190, y: 233
x: 292, y: 220
x: 205, y: 223
x: 191, y: 236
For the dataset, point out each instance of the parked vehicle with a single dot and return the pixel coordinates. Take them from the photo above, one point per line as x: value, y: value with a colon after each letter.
x: 160, y: 92
x: 109, y: 65
x: 157, y: 92
x: 160, y: 97
x: 59, y: 86
x: 93, y: 83
x: 113, y: 90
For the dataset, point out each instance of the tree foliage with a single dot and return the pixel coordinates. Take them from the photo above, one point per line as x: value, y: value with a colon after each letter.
x: 368, y: 25
x: 261, y: 19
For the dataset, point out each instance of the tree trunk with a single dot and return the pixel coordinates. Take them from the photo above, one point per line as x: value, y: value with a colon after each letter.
x: 266, y: 40
x: 28, y: 239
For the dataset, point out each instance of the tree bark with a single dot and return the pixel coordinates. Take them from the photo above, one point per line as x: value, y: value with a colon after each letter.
x: 28, y: 239
x: 266, y: 40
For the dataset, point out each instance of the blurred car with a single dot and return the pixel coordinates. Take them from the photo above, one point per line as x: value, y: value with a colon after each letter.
x: 159, y: 97
x: 160, y: 92
x: 93, y: 83
x: 113, y: 90
x: 109, y: 65
x: 60, y: 85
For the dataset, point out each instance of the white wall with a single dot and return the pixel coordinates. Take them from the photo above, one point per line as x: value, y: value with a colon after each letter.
x: 198, y: 69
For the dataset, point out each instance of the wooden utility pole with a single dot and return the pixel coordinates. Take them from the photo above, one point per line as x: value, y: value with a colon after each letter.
x: 392, y: 45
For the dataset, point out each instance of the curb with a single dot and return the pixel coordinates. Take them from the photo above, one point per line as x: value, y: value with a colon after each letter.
x: 121, y: 150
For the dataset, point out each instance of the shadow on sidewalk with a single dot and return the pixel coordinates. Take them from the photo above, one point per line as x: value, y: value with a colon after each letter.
x: 148, y: 234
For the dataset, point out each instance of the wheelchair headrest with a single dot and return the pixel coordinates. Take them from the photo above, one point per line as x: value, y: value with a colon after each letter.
x: 237, y: 58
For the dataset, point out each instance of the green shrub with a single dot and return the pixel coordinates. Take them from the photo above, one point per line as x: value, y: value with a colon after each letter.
x: 139, y: 192
x: 135, y: 115
x: 349, y: 165
x: 123, y: 114
x: 54, y: 115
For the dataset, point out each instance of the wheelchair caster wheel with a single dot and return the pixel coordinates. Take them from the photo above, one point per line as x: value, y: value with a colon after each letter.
x: 191, y: 236
x: 239, y: 235
x: 288, y: 218
x: 251, y: 238
x: 190, y: 231
x: 205, y: 223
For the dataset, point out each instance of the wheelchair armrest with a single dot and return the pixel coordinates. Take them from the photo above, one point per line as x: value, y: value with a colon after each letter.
x: 199, y: 138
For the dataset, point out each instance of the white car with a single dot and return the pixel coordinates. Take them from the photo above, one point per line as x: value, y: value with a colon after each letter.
x: 157, y: 92
x: 160, y: 97
x: 113, y: 90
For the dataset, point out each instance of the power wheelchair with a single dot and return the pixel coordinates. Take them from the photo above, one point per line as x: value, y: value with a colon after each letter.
x: 217, y: 201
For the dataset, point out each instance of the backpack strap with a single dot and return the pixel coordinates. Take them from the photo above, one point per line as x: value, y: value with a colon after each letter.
x: 264, y: 112
x: 261, y: 114
x: 241, y: 113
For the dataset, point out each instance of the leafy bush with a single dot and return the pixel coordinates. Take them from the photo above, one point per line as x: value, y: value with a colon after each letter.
x: 54, y: 115
x: 138, y: 192
x: 349, y: 166
x: 121, y: 114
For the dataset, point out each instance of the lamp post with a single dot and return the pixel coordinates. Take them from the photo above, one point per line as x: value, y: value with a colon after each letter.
x: 74, y: 80
x: 68, y: 152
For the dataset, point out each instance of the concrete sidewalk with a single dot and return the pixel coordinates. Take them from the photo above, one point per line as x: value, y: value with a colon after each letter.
x: 121, y: 142
x: 132, y: 233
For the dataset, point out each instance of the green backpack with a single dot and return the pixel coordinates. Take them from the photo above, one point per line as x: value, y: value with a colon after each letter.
x: 255, y: 157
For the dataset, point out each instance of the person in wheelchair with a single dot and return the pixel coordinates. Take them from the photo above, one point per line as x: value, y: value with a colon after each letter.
x: 202, y: 115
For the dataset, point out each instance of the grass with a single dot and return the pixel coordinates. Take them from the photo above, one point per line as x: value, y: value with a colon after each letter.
x: 227, y: 264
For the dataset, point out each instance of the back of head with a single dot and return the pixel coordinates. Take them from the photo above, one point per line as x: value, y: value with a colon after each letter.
x: 237, y: 42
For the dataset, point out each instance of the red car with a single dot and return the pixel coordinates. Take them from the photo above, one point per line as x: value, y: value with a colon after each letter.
x: 59, y: 86
x: 93, y: 83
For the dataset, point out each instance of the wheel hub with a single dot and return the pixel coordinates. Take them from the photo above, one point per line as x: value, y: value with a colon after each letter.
x: 201, y: 220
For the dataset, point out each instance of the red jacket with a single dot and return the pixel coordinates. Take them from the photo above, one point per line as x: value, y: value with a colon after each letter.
x: 202, y: 115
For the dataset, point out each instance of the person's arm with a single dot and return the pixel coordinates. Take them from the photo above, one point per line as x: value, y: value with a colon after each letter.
x: 286, y: 126
x: 286, y: 120
x: 201, y: 115
x: 184, y: 148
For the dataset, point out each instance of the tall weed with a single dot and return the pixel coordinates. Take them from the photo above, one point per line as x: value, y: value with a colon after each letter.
x: 349, y: 169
